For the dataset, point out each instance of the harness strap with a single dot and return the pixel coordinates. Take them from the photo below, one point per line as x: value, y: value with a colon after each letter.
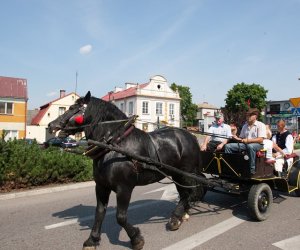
x: 155, y: 148
x: 95, y: 152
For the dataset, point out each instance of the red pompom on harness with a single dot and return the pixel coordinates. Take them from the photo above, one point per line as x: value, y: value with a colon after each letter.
x: 79, y: 119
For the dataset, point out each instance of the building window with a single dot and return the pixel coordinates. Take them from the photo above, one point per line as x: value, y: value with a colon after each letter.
x: 6, y: 108
x: 10, y: 135
x: 145, y: 108
x: 61, y: 110
x: 122, y: 107
x: 274, y: 107
x: 159, y: 108
x: 130, y: 108
x: 171, y: 109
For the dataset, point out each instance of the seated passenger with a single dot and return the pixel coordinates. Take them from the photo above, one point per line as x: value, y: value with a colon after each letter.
x: 234, y: 131
x: 251, y: 138
x: 283, y: 144
x: 211, y: 142
x: 268, y: 146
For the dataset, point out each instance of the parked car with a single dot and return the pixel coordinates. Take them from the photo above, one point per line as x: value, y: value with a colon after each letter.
x: 82, y: 142
x: 66, y: 142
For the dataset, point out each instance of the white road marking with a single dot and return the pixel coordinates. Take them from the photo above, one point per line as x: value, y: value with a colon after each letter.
x: 170, y: 192
x: 289, y: 244
x: 206, y: 235
x: 91, y: 217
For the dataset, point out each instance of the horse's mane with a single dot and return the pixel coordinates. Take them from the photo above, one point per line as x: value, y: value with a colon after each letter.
x: 104, y: 111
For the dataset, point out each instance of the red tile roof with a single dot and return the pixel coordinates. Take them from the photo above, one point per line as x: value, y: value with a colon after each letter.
x: 123, y: 93
x: 36, y: 120
x: 13, y: 87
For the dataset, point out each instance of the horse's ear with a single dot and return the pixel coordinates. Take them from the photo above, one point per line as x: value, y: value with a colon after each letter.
x: 87, y: 97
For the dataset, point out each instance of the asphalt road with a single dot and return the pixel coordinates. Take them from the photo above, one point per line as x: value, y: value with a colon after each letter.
x: 62, y: 220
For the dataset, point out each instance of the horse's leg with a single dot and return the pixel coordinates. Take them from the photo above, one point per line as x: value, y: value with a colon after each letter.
x: 123, y: 199
x: 182, y: 207
x: 102, y: 196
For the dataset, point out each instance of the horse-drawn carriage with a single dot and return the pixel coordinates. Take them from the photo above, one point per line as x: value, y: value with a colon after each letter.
x: 125, y: 157
x: 233, y: 172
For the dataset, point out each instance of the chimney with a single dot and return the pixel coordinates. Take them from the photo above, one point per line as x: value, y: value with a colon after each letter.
x: 62, y: 93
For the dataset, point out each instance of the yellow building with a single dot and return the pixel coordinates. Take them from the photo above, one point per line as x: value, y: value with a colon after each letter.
x: 13, y: 107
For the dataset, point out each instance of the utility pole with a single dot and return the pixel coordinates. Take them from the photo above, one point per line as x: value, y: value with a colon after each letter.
x: 76, y: 82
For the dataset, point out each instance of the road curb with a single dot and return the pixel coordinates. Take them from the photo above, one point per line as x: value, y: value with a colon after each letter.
x: 46, y: 190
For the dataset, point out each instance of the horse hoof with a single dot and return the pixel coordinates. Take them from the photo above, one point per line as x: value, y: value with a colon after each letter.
x: 185, y: 217
x: 89, y: 248
x: 140, y: 244
x: 91, y: 243
x: 174, y: 224
x: 138, y: 241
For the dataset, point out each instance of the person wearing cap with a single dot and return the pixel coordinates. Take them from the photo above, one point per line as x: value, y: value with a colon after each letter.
x: 251, y: 138
x: 218, y: 128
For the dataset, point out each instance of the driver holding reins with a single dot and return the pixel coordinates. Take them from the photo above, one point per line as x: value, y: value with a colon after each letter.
x: 251, y: 138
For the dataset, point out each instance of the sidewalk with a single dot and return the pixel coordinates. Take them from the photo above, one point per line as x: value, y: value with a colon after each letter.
x: 46, y: 190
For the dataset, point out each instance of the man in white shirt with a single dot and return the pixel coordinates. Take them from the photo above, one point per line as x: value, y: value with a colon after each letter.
x: 251, y: 138
x: 283, y: 144
x: 218, y: 128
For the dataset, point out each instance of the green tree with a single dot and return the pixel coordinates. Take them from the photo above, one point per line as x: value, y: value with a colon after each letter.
x: 187, y: 108
x: 242, y: 97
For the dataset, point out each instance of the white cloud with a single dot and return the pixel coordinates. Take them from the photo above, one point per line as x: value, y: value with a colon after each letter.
x: 53, y: 93
x: 86, y: 49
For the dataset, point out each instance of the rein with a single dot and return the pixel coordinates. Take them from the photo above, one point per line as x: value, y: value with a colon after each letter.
x: 95, y: 152
x: 98, y: 123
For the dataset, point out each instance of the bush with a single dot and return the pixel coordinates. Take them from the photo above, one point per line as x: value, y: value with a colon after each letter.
x: 24, y: 165
x: 297, y: 146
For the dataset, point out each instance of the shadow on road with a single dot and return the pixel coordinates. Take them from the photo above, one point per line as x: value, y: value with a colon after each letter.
x: 151, y: 211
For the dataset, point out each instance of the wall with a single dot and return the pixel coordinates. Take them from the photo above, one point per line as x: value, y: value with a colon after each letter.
x: 36, y: 132
x: 16, y: 121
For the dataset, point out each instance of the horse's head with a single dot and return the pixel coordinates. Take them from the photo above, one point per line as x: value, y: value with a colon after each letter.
x: 73, y: 120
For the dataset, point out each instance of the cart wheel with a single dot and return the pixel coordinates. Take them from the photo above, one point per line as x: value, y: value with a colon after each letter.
x: 297, y: 191
x: 260, y: 200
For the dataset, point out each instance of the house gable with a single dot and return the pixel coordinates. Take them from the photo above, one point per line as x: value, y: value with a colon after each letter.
x: 153, y: 101
x: 51, y: 110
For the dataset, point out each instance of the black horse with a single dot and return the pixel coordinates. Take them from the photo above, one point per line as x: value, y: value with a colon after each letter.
x: 103, y: 121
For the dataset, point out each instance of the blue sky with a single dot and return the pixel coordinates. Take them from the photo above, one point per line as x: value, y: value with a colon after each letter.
x: 208, y: 45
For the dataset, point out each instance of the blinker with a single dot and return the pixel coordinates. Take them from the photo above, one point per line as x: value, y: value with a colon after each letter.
x: 79, y: 119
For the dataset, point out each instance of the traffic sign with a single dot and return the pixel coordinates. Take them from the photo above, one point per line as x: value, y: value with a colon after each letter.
x: 295, y: 101
x: 295, y: 111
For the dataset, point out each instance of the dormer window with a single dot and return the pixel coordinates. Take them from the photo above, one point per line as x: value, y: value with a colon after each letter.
x: 158, y: 86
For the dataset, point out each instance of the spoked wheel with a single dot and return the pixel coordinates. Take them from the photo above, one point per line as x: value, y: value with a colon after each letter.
x: 260, y: 200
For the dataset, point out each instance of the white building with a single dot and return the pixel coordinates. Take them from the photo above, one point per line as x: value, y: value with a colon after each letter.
x: 47, y: 113
x: 152, y: 102
x: 205, y: 115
